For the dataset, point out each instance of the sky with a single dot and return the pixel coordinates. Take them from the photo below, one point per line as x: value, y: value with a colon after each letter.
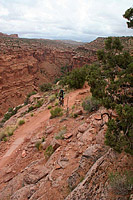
x: 79, y: 20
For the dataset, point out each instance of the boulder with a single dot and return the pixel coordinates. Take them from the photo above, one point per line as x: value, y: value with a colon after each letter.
x: 23, y: 153
x: 34, y: 98
x: 24, y: 193
x: 68, y: 135
x: 78, y: 112
x: 55, y: 144
x: 82, y: 128
x: 49, y: 130
x: 34, y: 173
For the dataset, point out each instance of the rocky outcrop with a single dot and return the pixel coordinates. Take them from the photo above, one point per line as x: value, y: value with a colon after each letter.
x: 95, y: 184
x: 78, y: 167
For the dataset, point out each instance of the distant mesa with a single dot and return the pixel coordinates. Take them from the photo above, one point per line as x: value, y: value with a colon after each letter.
x: 6, y: 35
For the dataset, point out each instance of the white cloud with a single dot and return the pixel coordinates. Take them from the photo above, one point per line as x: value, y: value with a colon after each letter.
x: 64, y: 19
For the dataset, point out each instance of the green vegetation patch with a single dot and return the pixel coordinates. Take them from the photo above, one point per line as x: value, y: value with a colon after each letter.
x: 38, y: 145
x: 110, y: 82
x: 10, y: 113
x: 48, y: 152
x: 76, y: 78
x: 90, y: 104
x: 45, y: 87
x: 121, y: 183
x: 21, y: 122
x: 60, y: 134
x: 7, y: 132
x: 56, y: 112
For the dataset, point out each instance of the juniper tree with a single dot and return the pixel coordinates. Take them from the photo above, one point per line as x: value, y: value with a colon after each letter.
x: 129, y: 16
x: 111, y: 82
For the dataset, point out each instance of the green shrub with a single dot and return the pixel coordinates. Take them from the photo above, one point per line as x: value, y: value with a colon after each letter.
x: 121, y: 183
x: 90, y: 104
x: 30, y: 108
x: 8, y: 131
x: 2, y: 136
x: 48, y: 152
x: 49, y: 107
x: 10, y: 134
x: 21, y: 122
x: 52, y: 98
x: 38, y: 145
x: 10, y: 109
x: 75, y: 115
x: 60, y: 135
x: 82, y: 178
x: 43, y: 139
x: 39, y: 103
x: 76, y: 79
x: 10, y: 113
x: 45, y: 87
x: 73, y: 107
x: 57, y: 112
x: 56, y: 104
x: 5, y: 139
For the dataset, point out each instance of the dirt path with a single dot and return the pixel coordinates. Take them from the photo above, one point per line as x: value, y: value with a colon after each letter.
x: 30, y: 127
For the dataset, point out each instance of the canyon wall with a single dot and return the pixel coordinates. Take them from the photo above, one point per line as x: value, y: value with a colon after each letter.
x: 26, y: 64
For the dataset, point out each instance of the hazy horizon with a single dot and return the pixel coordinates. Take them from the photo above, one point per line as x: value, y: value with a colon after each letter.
x: 77, y: 20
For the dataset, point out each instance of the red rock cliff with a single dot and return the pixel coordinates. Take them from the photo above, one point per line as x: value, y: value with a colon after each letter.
x: 25, y: 64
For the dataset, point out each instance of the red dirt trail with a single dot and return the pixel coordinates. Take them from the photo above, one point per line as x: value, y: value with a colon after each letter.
x: 33, y: 124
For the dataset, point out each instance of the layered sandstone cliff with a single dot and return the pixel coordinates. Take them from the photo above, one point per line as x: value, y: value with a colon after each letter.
x: 25, y: 64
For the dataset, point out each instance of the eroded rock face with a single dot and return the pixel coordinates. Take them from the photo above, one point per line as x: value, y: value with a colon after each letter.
x: 26, y: 64
x: 88, y: 158
x: 24, y: 193
x: 95, y: 184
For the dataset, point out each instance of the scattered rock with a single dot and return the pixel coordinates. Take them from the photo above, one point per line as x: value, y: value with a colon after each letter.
x: 24, y: 193
x: 84, y: 92
x: 57, y: 166
x: 55, y: 144
x: 68, y: 135
x: 76, y: 154
x: 34, y: 173
x: 11, y: 187
x: 80, y: 118
x: 100, y: 137
x: 63, y: 119
x: 97, y: 117
x: 49, y: 130
x: 45, y: 145
x: 82, y: 128
x: 78, y: 112
x: 87, y: 137
x: 23, y: 153
x: 79, y: 135
x: 34, y: 98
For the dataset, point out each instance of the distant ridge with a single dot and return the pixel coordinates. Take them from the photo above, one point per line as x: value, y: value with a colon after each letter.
x: 11, y: 35
x: 71, y: 42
